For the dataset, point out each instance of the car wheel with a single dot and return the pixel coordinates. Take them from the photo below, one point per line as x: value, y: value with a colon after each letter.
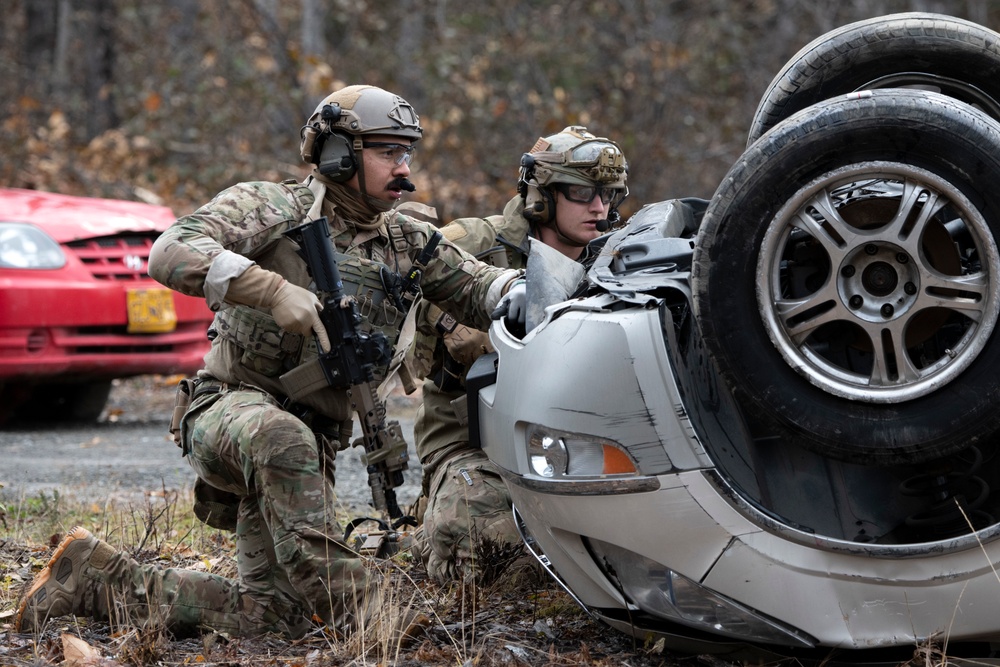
x: 846, y: 277
x: 927, y: 51
x: 69, y: 402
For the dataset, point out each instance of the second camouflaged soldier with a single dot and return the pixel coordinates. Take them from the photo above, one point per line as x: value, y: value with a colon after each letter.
x: 569, y: 189
x: 241, y: 433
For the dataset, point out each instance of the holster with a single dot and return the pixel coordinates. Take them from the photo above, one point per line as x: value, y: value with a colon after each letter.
x: 182, y: 401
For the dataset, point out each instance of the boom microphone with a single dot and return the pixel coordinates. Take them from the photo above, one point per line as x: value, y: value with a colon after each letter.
x: 603, y: 225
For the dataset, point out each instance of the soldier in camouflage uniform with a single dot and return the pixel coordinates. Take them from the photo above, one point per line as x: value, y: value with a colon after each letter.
x: 244, y: 435
x: 569, y: 190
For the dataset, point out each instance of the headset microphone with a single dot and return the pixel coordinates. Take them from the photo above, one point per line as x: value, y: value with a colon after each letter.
x: 603, y: 225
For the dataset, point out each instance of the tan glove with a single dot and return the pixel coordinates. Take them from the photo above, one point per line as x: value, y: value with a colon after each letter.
x: 294, y: 309
x: 466, y: 345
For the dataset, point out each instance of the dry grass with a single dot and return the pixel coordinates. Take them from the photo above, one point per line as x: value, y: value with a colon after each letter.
x: 498, y: 619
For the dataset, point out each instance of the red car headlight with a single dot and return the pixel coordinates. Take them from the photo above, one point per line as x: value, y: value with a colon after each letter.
x: 27, y: 247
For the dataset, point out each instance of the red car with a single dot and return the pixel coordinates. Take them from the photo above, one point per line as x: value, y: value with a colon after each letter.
x: 77, y: 308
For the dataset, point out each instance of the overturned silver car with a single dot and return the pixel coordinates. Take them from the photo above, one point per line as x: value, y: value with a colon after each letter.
x: 772, y: 419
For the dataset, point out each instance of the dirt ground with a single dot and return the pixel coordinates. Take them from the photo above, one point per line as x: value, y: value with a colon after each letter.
x: 501, y: 619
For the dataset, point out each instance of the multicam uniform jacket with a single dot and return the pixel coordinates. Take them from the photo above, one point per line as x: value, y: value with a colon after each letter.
x: 248, y: 220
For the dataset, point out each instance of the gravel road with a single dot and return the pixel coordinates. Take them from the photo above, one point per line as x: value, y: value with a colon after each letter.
x: 128, y: 453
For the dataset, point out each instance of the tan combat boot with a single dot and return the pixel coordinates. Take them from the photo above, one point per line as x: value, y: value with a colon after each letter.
x: 63, y: 586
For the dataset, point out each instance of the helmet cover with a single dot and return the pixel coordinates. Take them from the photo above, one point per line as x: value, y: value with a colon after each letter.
x: 574, y: 155
x: 358, y: 110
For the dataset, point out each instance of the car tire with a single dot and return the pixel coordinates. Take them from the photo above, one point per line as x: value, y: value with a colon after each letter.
x: 858, y: 367
x: 69, y: 402
x: 931, y: 51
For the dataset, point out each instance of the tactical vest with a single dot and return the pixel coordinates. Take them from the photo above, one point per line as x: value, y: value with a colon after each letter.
x: 271, y: 351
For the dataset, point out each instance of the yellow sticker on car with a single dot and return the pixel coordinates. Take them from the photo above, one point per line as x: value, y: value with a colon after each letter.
x: 151, y: 311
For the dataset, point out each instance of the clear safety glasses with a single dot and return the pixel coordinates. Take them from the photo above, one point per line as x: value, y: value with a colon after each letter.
x: 395, y: 153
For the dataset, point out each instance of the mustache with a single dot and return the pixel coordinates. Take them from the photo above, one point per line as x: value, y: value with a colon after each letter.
x: 402, y: 183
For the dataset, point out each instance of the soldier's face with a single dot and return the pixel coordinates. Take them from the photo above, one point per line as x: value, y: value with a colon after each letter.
x: 386, y: 161
x: 578, y: 220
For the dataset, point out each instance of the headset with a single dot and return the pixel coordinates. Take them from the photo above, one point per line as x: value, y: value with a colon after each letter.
x: 334, y: 151
x: 539, y: 204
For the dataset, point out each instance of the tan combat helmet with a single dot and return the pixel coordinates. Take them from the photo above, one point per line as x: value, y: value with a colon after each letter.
x: 333, y: 134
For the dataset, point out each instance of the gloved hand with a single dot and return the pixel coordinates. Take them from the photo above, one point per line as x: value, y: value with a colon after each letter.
x: 465, y: 344
x: 467, y: 503
x: 514, y: 304
x: 294, y: 308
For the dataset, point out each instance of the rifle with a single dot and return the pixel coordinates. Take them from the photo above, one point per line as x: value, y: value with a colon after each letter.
x: 350, y: 365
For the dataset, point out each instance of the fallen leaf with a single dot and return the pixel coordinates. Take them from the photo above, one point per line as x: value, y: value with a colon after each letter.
x: 78, y: 652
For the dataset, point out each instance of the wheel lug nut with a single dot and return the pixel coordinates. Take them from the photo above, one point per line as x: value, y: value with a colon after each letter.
x: 910, y: 288
x: 871, y: 249
x: 856, y: 301
x: 887, y: 310
x: 847, y: 271
x: 902, y: 258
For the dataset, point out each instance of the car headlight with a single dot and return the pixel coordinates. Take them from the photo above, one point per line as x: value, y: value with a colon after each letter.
x: 26, y: 247
x: 658, y: 590
x: 559, y: 454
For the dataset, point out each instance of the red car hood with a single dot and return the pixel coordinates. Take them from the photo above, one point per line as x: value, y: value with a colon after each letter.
x: 68, y: 218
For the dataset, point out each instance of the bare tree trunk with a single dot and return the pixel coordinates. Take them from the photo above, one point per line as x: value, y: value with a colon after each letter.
x: 409, y: 42
x: 314, y: 51
x: 181, y: 34
x: 40, y: 35
x: 60, y: 59
x: 36, y: 80
x: 98, y: 29
x: 282, y: 110
x: 313, y: 39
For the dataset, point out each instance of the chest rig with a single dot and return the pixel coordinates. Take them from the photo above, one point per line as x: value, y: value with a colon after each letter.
x: 270, y: 351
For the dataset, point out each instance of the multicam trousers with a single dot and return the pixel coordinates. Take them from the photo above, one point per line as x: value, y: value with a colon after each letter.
x: 291, y: 565
x: 467, y: 500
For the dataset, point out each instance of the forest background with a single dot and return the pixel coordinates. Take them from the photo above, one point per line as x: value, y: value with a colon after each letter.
x: 175, y: 100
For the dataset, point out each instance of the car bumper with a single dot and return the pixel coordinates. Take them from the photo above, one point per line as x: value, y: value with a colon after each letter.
x: 58, y: 329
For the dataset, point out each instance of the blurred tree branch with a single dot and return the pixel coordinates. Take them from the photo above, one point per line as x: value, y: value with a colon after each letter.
x: 182, y: 98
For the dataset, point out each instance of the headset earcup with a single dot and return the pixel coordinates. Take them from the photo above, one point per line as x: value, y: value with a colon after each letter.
x: 336, y: 158
x: 539, y: 206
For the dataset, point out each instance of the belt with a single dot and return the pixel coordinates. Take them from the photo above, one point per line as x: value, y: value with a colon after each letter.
x: 316, y: 422
x: 205, y: 385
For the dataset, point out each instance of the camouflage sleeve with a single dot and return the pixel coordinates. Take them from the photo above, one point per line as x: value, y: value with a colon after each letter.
x: 245, y: 219
x: 473, y: 235
x: 455, y: 280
